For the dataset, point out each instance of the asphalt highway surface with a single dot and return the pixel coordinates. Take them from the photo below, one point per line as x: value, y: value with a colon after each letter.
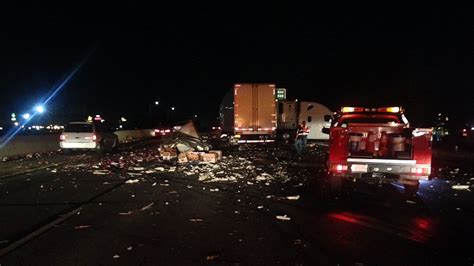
x: 257, y: 206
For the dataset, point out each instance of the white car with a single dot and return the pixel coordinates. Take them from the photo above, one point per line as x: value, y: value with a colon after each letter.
x: 84, y: 135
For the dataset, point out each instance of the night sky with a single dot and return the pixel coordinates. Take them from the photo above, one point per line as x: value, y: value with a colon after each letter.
x: 420, y: 57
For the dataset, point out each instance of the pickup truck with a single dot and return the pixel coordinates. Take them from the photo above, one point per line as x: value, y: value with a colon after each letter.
x: 377, y: 143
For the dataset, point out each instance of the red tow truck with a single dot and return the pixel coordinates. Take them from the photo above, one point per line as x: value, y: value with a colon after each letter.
x: 377, y: 143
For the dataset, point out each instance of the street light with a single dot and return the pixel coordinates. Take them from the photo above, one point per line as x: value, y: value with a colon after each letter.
x: 39, y: 108
x: 172, y: 108
x: 26, y: 116
x: 157, y: 102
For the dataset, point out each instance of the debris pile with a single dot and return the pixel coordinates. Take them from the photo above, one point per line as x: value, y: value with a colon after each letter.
x: 188, y: 146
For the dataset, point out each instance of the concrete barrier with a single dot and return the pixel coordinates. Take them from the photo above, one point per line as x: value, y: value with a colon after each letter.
x: 134, y: 135
x: 23, y: 145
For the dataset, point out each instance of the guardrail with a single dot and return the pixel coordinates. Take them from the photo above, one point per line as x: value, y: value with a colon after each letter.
x: 23, y: 145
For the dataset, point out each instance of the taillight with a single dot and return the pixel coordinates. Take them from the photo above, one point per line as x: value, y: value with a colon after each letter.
x: 421, y: 170
x: 340, y: 167
x: 94, y: 137
x: 167, y: 131
x: 62, y: 137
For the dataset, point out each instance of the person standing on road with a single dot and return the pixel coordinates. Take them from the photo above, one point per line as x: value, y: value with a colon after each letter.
x: 301, y: 137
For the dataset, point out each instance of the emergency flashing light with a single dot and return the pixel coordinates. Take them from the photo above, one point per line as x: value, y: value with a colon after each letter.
x: 394, y: 109
x: 390, y: 109
x: 352, y: 109
x: 347, y: 109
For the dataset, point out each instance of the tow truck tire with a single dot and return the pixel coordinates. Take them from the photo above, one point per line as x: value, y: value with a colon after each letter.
x: 335, y: 183
x: 410, y: 190
x: 100, y: 149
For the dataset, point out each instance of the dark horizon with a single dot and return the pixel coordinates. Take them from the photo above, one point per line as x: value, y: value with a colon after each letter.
x: 417, y: 57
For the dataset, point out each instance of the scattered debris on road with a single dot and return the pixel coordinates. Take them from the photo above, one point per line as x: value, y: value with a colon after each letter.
x: 212, y: 257
x: 460, y: 187
x: 297, y: 197
x: 82, y: 227
x: 283, y: 217
x: 101, y: 172
x: 147, y: 206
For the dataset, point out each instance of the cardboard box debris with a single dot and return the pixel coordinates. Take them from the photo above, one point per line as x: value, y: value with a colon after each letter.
x: 193, y: 156
x: 182, y: 147
x: 182, y: 158
x: 209, y: 157
x: 218, y: 153
x: 168, y: 153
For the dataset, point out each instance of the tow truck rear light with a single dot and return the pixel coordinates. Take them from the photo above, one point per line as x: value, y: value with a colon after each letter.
x: 62, y: 137
x: 427, y: 170
x: 340, y: 167
x: 421, y: 170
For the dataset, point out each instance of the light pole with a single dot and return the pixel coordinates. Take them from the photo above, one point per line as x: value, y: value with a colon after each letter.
x: 150, y: 109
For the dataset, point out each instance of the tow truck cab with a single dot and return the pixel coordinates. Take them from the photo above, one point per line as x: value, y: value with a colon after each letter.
x: 378, y: 143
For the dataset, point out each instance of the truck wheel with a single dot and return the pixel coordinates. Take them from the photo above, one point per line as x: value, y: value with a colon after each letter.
x: 410, y: 190
x: 100, y: 148
x: 335, y: 183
